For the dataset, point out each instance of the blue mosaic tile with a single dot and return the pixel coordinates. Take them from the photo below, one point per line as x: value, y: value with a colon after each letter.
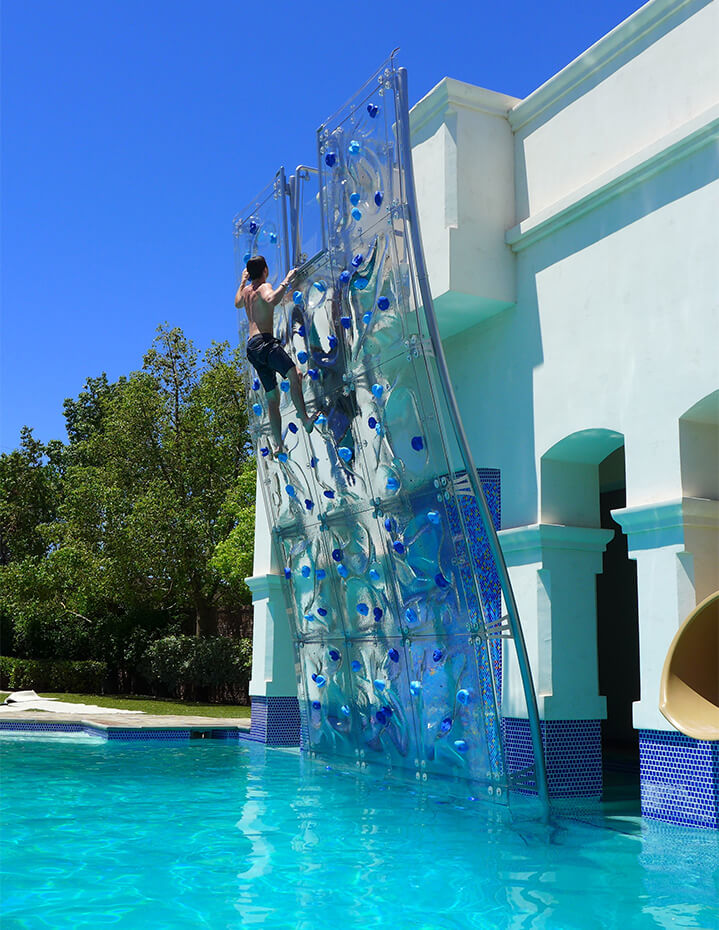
x: 679, y: 778
x: 573, y: 755
x: 275, y: 721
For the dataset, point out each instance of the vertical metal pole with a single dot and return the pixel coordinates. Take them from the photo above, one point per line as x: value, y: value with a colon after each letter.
x: 280, y: 176
x: 492, y: 538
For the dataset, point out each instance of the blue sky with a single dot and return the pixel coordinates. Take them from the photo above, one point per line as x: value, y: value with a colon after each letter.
x: 133, y: 131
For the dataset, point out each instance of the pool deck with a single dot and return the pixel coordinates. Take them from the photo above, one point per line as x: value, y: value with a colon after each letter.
x: 129, y: 722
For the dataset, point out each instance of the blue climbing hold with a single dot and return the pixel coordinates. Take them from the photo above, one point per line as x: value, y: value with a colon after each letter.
x: 378, y: 430
x: 440, y: 580
x: 252, y: 227
x: 330, y: 495
x: 246, y: 257
x: 313, y: 373
x: 344, y: 277
x: 410, y: 615
x: 290, y: 490
x: 390, y: 524
x: 379, y: 684
x: 460, y: 745
x: 301, y: 331
x: 357, y: 260
x: 354, y: 147
x: 306, y: 571
x: 331, y: 159
x: 372, y: 109
x: 257, y: 408
x: 334, y: 655
x: 320, y: 421
x: 354, y: 198
x: 282, y: 457
x: 381, y: 717
x: 377, y: 612
x: 374, y: 574
x: 362, y: 608
x: 288, y: 572
x: 320, y: 681
x: 292, y: 427
x: 356, y: 666
x: 383, y: 303
x: 320, y: 573
x: 415, y: 687
x: 377, y: 390
x: 316, y: 705
x: 360, y: 283
x: 297, y: 297
x: 345, y: 710
x: 371, y: 422
x: 313, y: 676
x: 394, y: 655
x: 322, y: 611
x: 345, y: 453
x: 356, y: 214
x: 398, y: 547
x: 417, y: 443
x: 434, y: 517
x: 437, y: 655
x: 463, y: 696
x: 319, y: 286
x: 392, y: 483
x: 337, y: 555
x: 346, y: 321
x: 342, y: 571
x: 273, y: 238
x: 378, y: 198
x: 302, y: 357
x: 309, y: 504
x: 387, y: 710
x: 264, y: 452
x: 367, y: 317
x: 309, y: 618
x: 313, y: 460
x: 332, y: 341
x: 446, y: 725
x: 256, y: 384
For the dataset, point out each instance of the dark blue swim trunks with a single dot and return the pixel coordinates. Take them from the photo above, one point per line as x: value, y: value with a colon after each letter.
x: 266, y: 355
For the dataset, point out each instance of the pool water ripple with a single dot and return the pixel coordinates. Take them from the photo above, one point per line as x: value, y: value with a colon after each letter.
x: 214, y: 835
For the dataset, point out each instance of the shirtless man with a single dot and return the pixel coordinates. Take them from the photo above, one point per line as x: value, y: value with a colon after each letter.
x: 264, y: 352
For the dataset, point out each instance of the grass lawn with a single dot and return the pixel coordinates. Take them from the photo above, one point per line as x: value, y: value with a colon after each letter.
x: 150, y: 705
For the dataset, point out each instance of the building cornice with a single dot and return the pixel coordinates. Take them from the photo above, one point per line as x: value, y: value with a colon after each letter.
x: 451, y: 94
x: 671, y: 148
x: 632, y: 30
x: 264, y: 586
x: 652, y: 526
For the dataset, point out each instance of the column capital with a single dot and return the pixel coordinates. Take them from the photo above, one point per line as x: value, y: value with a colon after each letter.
x: 525, y: 544
x: 264, y: 586
x: 662, y: 523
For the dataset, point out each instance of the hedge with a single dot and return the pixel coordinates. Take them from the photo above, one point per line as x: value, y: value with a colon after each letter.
x: 188, y: 667
x: 52, y: 675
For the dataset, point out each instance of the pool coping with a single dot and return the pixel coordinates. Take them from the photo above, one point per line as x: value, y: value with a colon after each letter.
x: 128, y: 726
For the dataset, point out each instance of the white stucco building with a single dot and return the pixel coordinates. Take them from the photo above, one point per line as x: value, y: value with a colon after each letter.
x: 573, y: 254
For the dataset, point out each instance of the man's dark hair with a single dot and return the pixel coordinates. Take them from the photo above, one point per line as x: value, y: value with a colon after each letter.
x: 255, y: 267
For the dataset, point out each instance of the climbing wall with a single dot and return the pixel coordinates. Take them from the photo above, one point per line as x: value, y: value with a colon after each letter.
x: 390, y: 586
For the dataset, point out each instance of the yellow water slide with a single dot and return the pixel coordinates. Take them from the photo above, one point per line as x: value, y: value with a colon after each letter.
x: 689, y: 690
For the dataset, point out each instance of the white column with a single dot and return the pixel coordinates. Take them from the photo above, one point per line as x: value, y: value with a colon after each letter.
x: 676, y: 548
x: 553, y: 570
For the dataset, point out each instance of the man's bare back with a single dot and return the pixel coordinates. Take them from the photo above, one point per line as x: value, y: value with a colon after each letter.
x: 259, y: 299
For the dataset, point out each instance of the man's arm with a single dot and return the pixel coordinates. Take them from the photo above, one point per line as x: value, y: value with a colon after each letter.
x: 239, y: 298
x: 273, y: 297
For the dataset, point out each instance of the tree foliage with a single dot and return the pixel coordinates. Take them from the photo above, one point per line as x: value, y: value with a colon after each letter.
x: 141, y: 524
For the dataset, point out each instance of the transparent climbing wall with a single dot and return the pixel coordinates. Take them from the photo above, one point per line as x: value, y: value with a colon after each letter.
x: 390, y: 586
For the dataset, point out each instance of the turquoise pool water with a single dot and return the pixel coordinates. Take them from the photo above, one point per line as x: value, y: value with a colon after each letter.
x: 212, y: 835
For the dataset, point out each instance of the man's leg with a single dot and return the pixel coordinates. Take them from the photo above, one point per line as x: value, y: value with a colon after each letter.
x: 294, y: 376
x: 273, y: 409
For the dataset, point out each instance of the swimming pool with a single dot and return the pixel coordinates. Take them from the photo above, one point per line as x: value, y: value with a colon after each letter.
x: 212, y: 834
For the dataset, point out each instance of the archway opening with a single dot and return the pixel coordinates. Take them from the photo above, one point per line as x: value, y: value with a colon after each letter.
x: 617, y: 638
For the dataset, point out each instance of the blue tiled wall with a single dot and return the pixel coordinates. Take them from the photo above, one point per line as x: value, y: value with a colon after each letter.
x: 679, y: 778
x: 573, y: 754
x: 275, y: 721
